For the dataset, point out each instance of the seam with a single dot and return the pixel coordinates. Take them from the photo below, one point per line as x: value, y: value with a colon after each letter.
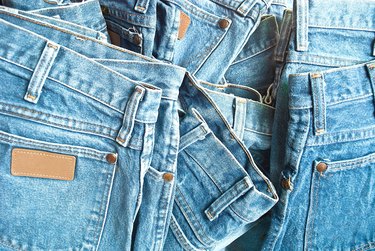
x: 262, y: 133
x: 253, y: 55
x: 192, y: 226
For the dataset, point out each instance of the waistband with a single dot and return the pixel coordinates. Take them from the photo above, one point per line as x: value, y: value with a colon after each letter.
x: 137, y: 12
x: 75, y: 12
x: 95, y: 49
x: 75, y: 71
x: 245, y: 7
x: 325, y: 88
x: 243, y: 113
x: 333, y: 14
x: 58, y: 22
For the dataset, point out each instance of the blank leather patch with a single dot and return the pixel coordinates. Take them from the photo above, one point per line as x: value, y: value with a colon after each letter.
x: 41, y: 164
x: 184, y: 25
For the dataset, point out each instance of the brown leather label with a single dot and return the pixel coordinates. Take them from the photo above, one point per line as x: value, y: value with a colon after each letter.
x: 184, y: 25
x: 115, y: 38
x: 41, y: 164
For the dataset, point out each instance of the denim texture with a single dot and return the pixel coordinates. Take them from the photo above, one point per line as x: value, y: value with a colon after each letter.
x: 151, y: 204
x: 326, y: 75
x: 71, y: 11
x: 118, y: 119
x: 163, y: 155
x: 214, y: 30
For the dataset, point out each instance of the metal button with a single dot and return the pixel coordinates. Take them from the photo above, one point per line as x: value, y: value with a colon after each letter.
x: 111, y: 158
x: 223, y: 23
x: 137, y: 40
x: 321, y: 167
x: 168, y: 177
x: 286, y: 184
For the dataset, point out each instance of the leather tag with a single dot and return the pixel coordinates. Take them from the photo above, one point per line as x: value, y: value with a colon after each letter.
x: 41, y: 164
x: 184, y: 25
x: 115, y: 38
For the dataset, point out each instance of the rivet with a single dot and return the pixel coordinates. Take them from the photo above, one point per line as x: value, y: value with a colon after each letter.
x: 168, y: 177
x: 286, y: 183
x: 223, y: 23
x: 321, y: 167
x: 111, y: 158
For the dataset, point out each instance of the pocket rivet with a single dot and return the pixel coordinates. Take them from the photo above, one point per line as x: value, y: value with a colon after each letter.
x: 111, y: 158
x: 321, y: 167
x: 223, y: 23
x: 168, y: 177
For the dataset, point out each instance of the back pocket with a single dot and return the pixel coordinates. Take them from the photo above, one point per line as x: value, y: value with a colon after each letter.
x: 53, y: 196
x: 341, y: 215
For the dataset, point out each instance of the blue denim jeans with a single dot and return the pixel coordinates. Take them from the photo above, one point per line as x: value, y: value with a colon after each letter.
x: 218, y: 29
x: 323, y: 160
x: 156, y: 180
x: 55, y: 104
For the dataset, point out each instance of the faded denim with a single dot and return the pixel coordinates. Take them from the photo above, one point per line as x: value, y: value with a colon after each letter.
x: 322, y: 166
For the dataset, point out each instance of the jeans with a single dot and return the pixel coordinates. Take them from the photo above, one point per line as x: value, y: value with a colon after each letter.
x: 57, y: 112
x: 323, y: 160
x: 152, y: 207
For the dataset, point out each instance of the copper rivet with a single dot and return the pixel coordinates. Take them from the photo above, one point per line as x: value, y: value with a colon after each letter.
x: 286, y: 184
x: 168, y: 177
x: 105, y: 9
x: 223, y: 23
x: 321, y: 167
x: 111, y: 158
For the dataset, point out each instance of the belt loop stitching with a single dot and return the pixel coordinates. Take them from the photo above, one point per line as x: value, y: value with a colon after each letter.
x: 246, y: 6
x: 371, y: 71
x: 239, y: 116
x: 126, y: 130
x: 302, y: 23
x: 41, y: 72
x: 319, y: 102
x: 141, y: 6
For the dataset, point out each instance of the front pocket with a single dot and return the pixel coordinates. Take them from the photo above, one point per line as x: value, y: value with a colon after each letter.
x: 342, y: 205
x: 53, y: 196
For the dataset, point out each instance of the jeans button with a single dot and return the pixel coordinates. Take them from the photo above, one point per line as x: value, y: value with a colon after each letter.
x: 321, y: 167
x: 111, y: 158
x: 223, y: 23
x: 168, y: 177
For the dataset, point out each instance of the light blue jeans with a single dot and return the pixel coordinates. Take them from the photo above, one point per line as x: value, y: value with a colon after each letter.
x: 322, y: 164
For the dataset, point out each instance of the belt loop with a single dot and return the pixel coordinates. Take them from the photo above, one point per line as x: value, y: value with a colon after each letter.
x: 319, y: 103
x: 285, y: 30
x: 302, y: 24
x: 141, y: 6
x: 373, y: 48
x: 371, y: 71
x: 239, y: 116
x: 41, y: 72
x: 246, y: 6
x: 126, y: 130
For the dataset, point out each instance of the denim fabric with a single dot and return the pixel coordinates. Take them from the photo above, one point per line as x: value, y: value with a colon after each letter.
x: 214, y: 197
x: 218, y: 30
x: 322, y: 166
x: 131, y: 23
x: 156, y: 189
x: 72, y: 11
x: 255, y: 65
x: 55, y: 100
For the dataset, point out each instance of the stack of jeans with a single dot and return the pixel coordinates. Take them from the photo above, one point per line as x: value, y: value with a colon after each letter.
x: 178, y: 125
